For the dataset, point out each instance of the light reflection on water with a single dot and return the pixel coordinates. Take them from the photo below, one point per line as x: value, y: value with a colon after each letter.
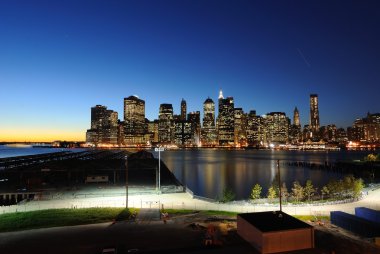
x: 208, y: 172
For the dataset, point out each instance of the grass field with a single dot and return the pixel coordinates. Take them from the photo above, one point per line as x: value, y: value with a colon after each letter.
x: 70, y: 217
x: 60, y: 217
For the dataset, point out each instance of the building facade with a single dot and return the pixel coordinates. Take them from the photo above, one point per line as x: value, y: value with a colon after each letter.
x: 135, y: 126
x: 314, y: 114
x: 166, y: 124
x: 183, y: 110
x: 208, y: 131
x: 240, y: 128
x: 104, y: 127
x: 194, y: 118
x: 226, y: 121
x: 277, y: 125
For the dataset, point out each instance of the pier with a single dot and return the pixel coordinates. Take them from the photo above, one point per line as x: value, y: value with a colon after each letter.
x: 38, y: 173
x: 359, y: 169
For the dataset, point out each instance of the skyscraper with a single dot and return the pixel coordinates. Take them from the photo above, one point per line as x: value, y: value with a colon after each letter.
x: 277, y: 127
x: 226, y: 121
x: 165, y: 123
x: 183, y: 110
x: 296, y: 117
x: 256, y: 131
x: 195, y: 119
x: 295, y: 128
x: 208, y: 136
x: 314, y: 113
x: 104, y: 126
x: 134, y: 120
x: 240, y: 127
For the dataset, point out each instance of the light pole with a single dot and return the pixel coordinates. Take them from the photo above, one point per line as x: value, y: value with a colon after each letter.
x: 159, y: 150
x: 126, y: 181
x: 279, y: 183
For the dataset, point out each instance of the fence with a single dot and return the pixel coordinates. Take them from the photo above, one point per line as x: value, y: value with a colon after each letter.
x: 184, y: 203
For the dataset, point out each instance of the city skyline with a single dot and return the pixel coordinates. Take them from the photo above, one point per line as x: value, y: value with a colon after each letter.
x: 59, y: 59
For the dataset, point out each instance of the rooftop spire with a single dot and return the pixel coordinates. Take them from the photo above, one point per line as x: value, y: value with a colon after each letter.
x: 221, y: 94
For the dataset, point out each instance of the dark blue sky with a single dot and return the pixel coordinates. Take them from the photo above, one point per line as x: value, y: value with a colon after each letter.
x: 60, y: 58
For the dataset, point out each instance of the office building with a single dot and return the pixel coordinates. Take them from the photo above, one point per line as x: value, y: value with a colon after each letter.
x: 240, y: 128
x: 208, y: 131
x: 104, y: 126
x: 183, y: 133
x: 183, y: 110
x: 314, y: 114
x: 166, y: 124
x: 366, y: 129
x: 255, y: 129
x: 295, y: 134
x: 195, y: 119
x: 135, y: 126
x: 277, y: 125
x: 226, y: 121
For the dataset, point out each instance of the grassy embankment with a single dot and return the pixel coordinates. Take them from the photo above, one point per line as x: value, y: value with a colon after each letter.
x: 60, y: 217
x: 70, y: 217
x: 233, y: 214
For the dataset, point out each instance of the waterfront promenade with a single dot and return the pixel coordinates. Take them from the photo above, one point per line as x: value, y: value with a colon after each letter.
x: 115, y: 197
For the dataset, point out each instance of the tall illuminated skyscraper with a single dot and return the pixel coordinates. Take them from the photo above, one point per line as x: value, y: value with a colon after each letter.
x: 295, y: 128
x: 166, y: 123
x: 226, y: 122
x: 314, y: 113
x: 134, y: 115
x: 183, y: 110
x: 208, y: 136
x: 134, y: 121
x: 277, y: 127
x: 103, y: 126
x: 296, y: 117
x: 195, y: 119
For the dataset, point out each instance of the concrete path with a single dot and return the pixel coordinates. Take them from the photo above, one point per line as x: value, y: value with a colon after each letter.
x: 186, y: 201
x: 147, y: 215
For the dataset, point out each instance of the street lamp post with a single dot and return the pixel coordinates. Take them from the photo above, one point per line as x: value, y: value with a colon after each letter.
x: 279, y: 183
x: 126, y: 182
x: 159, y: 150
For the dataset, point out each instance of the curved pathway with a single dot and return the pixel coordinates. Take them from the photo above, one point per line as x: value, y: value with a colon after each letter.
x: 183, y: 201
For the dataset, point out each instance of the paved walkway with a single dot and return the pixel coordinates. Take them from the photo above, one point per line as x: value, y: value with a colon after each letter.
x: 184, y: 201
x: 146, y: 215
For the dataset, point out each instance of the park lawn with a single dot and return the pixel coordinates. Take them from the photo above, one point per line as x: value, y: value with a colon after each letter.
x: 60, y: 217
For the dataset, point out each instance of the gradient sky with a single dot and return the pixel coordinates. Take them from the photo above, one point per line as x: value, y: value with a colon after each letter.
x: 60, y: 58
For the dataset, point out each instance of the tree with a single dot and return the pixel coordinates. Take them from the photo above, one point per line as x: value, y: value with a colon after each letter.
x: 357, y: 188
x: 284, y: 192
x: 325, y: 191
x: 348, y: 185
x: 227, y: 196
x: 335, y: 188
x: 272, y: 192
x: 297, y: 191
x: 371, y: 157
x: 309, y: 190
x: 256, y: 192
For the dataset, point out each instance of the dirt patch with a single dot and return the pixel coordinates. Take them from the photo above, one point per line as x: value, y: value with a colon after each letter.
x: 328, y: 238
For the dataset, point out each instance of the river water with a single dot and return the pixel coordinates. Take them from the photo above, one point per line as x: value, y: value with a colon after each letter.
x: 208, y: 172
x: 12, y: 151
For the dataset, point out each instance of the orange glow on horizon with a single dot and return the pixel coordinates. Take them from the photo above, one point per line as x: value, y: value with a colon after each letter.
x: 40, y: 135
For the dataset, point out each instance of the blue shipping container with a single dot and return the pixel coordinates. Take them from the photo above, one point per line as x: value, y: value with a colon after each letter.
x: 355, y: 224
x: 368, y: 214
